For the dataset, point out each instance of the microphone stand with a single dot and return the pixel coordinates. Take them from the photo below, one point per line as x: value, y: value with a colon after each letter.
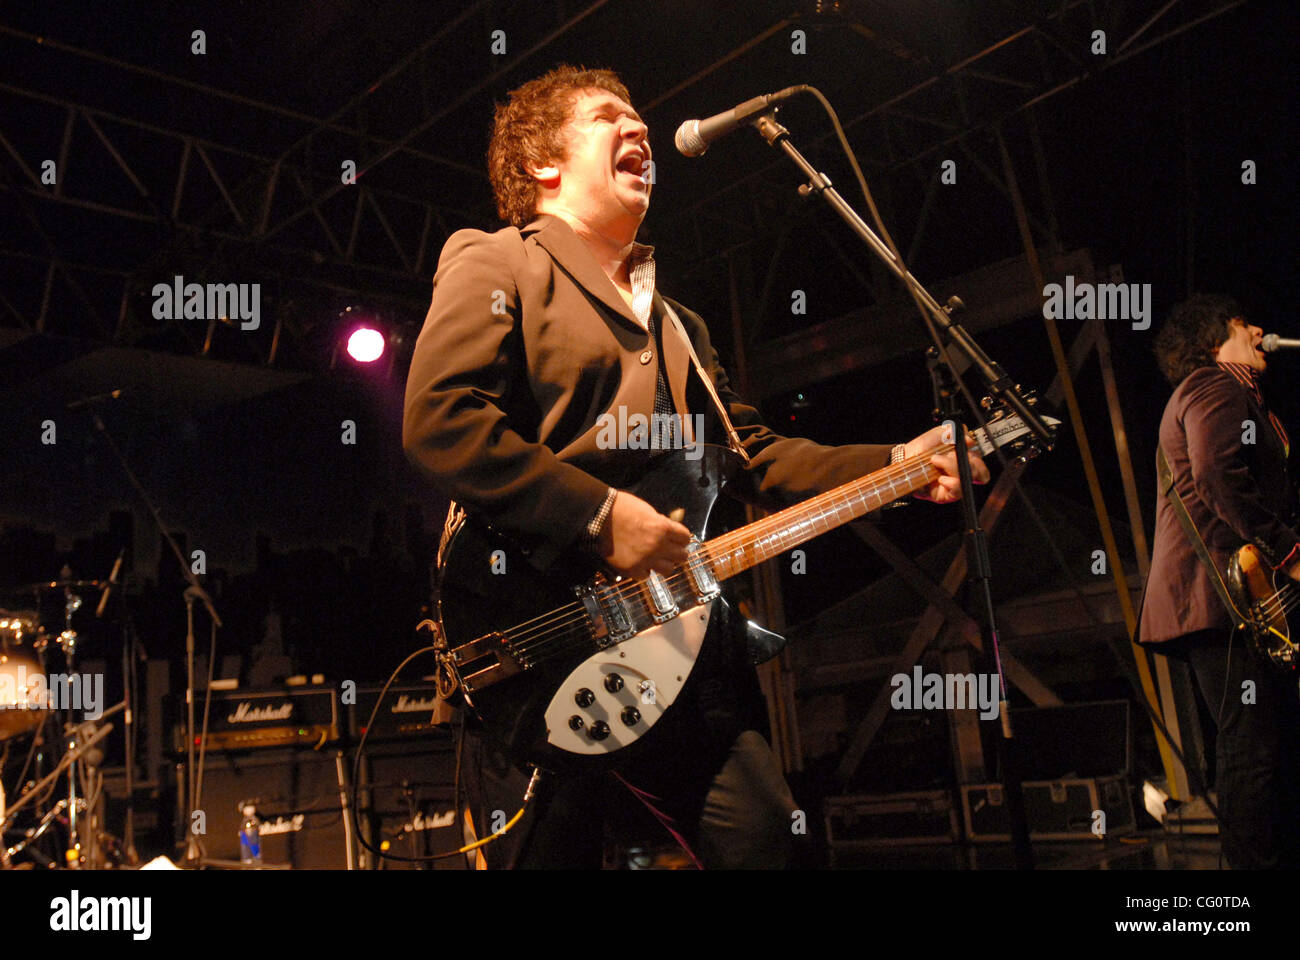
x: 945, y: 331
x: 193, y: 591
x: 128, y: 700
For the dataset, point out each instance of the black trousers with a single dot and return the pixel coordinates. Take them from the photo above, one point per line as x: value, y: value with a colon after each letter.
x: 732, y: 808
x: 1257, y: 756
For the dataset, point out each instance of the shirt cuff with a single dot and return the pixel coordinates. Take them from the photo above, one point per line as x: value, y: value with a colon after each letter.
x: 590, y: 538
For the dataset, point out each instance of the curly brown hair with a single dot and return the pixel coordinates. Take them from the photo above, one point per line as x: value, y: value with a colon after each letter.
x: 1194, y: 330
x: 528, y: 131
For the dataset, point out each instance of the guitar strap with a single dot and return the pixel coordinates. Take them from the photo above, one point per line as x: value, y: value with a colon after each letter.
x: 733, y: 438
x: 1166, y: 480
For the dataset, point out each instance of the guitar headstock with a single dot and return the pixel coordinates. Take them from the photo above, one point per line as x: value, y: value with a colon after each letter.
x: 1008, y: 431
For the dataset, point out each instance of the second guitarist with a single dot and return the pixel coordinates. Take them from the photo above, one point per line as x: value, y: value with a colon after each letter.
x: 1228, y: 456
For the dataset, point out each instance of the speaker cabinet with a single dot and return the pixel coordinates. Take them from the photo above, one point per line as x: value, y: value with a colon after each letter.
x: 410, y: 804
x: 296, y: 793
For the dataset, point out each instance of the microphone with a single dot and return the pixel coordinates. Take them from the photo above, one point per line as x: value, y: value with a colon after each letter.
x: 108, y: 587
x: 694, y: 136
x: 1273, y: 343
x: 93, y: 401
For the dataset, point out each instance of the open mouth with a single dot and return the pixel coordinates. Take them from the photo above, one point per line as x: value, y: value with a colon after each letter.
x: 632, y: 164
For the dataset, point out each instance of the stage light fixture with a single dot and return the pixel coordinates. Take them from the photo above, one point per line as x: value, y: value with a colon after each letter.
x: 366, y: 344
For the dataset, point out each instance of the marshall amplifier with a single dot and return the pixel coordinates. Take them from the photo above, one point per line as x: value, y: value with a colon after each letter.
x: 409, y: 802
x: 297, y: 798
x: 407, y: 712
x: 244, y: 720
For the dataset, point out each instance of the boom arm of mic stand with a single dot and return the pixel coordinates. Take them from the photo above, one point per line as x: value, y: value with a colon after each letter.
x: 996, y: 378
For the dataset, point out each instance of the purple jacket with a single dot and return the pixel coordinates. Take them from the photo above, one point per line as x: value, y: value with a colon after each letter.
x: 1236, y: 492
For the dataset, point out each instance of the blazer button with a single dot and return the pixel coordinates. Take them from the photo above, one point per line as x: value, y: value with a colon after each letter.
x: 646, y: 356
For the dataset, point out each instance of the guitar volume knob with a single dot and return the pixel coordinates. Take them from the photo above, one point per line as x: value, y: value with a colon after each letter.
x: 599, y: 730
x: 631, y: 716
x: 613, y: 683
x: 585, y: 698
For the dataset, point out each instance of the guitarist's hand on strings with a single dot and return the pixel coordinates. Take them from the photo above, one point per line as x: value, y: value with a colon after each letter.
x: 637, y: 538
x: 946, y: 487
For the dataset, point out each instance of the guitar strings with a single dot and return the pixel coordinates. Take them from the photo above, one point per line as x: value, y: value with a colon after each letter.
x: 1280, y: 595
x: 710, y: 551
x: 546, y: 629
x: 1281, y: 601
x: 565, y: 623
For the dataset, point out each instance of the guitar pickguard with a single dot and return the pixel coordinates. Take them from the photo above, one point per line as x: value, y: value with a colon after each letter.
x: 613, y: 698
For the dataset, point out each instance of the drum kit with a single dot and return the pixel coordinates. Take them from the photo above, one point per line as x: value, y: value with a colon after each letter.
x: 51, y: 733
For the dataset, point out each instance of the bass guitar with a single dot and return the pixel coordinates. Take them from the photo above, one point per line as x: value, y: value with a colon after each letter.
x: 1263, y: 598
x: 570, y: 666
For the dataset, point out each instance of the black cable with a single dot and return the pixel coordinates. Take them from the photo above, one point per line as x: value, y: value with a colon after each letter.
x: 354, y: 806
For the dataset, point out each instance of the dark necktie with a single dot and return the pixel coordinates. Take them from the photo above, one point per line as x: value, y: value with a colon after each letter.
x: 643, y: 287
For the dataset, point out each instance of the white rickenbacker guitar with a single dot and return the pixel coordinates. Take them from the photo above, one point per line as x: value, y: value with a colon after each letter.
x: 576, y: 664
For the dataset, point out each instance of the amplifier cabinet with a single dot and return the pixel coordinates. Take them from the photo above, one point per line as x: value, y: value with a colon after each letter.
x: 296, y: 793
x: 410, y: 804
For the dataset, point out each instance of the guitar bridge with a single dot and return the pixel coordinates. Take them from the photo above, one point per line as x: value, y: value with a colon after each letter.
x: 486, y: 660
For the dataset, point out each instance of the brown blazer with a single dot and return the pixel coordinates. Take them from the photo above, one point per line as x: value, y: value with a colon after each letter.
x: 1234, y: 492
x: 527, y: 342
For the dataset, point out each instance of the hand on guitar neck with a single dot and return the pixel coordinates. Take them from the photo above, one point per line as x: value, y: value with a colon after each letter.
x: 637, y: 538
x: 947, y: 486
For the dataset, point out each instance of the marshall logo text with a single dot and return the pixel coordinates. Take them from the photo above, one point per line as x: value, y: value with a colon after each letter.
x: 247, y: 713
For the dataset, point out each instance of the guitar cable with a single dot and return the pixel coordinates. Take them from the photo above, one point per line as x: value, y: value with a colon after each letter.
x: 354, y: 805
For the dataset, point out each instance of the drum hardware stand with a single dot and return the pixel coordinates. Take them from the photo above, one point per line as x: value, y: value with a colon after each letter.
x: 75, y: 752
x: 129, y: 659
x: 67, y: 639
x: 4, y: 852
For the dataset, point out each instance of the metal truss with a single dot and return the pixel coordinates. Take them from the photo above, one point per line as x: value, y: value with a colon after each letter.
x: 946, y: 110
x: 224, y: 210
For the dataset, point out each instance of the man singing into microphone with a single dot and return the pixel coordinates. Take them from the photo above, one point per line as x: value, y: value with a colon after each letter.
x: 1228, y: 455
x: 536, y: 331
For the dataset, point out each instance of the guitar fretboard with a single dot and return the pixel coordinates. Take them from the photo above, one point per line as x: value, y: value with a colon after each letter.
x: 737, y: 551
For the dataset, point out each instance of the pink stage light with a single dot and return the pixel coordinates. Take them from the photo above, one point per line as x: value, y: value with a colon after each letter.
x: 365, y: 345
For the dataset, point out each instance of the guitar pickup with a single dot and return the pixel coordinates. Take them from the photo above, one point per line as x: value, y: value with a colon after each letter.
x: 697, y: 568
x: 662, y: 605
x: 610, y: 620
x: 486, y: 660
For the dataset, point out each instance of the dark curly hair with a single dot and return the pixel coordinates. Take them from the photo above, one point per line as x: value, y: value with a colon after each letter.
x: 528, y: 131
x: 1195, y: 328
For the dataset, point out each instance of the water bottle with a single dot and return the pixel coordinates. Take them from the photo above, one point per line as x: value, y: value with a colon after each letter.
x: 250, y: 838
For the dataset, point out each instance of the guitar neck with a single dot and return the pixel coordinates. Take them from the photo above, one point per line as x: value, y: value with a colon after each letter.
x: 737, y: 551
